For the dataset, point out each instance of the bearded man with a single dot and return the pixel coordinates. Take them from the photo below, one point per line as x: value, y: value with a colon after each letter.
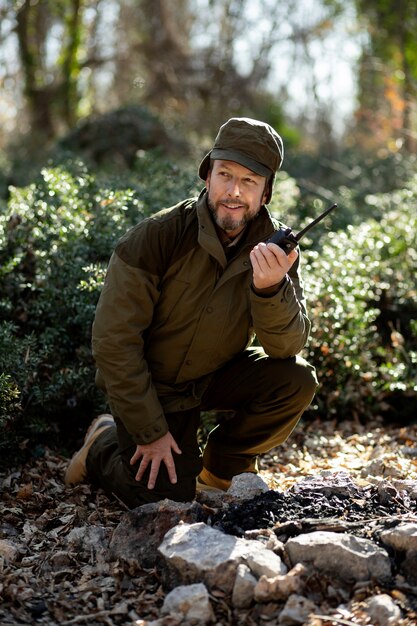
x: 198, y: 312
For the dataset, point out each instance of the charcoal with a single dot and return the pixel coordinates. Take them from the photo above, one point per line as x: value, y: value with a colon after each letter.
x: 336, y: 500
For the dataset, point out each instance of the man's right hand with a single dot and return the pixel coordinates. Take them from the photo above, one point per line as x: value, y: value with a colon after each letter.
x: 155, y: 453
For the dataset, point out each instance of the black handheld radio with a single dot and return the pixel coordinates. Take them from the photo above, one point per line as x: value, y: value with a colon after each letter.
x: 285, y: 238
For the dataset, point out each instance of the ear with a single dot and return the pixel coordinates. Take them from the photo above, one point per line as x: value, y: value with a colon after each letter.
x: 266, y: 191
x: 208, y: 179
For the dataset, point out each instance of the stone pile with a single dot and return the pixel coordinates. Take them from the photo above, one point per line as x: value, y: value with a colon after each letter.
x: 369, y: 540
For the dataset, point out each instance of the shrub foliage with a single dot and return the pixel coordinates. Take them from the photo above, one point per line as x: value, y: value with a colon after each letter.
x: 56, y: 237
x: 57, y: 234
x: 362, y: 291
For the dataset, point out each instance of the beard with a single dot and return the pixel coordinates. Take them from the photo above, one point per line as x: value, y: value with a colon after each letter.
x: 228, y: 223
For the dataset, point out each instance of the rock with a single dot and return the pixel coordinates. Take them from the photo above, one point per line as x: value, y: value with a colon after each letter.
x: 89, y: 541
x: 9, y: 551
x: 280, y: 587
x: 189, y: 602
x: 141, y: 530
x: 383, y: 610
x: 409, y: 567
x: 342, y: 555
x: 410, y: 486
x: 196, y: 552
x: 388, y: 493
x: 402, y: 537
x: 383, y: 466
x: 328, y: 483
x: 296, y: 611
x: 268, y: 538
x: 246, y: 486
x: 243, y: 588
x: 263, y: 561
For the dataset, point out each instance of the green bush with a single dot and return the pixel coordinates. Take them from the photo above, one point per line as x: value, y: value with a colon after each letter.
x: 347, y: 177
x: 56, y: 237
x: 362, y: 290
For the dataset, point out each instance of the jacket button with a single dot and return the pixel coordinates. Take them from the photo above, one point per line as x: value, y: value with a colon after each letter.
x: 188, y: 362
x: 209, y: 309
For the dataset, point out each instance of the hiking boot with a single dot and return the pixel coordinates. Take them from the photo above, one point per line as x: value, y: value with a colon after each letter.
x: 209, y: 482
x: 201, y: 487
x: 76, y: 470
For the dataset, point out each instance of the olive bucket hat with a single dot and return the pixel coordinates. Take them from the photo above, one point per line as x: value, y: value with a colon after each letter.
x: 250, y: 143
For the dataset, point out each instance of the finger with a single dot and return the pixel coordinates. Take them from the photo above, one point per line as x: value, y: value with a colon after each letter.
x: 262, y: 269
x: 278, y: 253
x: 170, y: 465
x: 137, y: 455
x: 175, y: 447
x: 269, y: 256
x: 142, y: 468
x: 282, y: 256
x: 259, y: 260
x: 293, y: 256
x: 153, y: 473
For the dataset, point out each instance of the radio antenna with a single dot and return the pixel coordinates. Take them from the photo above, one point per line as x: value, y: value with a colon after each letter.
x: 314, y: 222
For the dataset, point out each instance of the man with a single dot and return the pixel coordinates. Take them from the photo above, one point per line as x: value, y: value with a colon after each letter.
x: 185, y: 293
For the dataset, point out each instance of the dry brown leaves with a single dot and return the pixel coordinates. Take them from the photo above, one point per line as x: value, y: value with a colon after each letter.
x: 51, y: 574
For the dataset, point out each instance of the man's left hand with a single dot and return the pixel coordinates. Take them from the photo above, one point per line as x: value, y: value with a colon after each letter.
x: 270, y: 264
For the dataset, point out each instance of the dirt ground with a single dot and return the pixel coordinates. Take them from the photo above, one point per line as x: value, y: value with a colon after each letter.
x: 45, y: 580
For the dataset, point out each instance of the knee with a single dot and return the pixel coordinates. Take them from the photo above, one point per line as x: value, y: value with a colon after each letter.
x: 305, y: 381
x: 297, y: 377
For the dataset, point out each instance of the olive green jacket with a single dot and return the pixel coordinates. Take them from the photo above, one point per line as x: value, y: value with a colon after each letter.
x: 173, y: 310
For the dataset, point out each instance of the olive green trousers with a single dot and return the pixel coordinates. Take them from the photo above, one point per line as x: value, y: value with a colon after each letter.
x: 262, y: 399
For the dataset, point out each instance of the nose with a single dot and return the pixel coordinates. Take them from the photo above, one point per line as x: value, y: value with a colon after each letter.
x: 234, y: 188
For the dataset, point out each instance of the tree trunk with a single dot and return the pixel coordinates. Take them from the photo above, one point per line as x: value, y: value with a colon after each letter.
x: 38, y: 95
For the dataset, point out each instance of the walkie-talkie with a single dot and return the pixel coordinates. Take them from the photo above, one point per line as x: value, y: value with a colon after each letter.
x: 285, y: 238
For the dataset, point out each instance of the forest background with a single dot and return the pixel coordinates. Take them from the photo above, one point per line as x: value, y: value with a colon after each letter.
x: 106, y: 109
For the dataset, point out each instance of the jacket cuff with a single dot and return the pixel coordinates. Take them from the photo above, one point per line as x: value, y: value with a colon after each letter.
x: 157, y: 429
x: 269, y: 291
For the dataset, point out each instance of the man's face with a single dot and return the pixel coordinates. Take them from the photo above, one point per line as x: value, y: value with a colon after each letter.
x: 235, y: 195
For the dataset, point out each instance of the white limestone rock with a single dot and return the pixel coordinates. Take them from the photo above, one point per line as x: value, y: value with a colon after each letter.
x: 189, y: 602
x: 199, y: 553
x: 402, y: 538
x: 243, y: 589
x: 342, y: 555
x: 296, y: 611
x: 383, y: 610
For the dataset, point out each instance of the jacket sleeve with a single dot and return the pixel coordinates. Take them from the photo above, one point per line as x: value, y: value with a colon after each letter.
x: 123, y: 314
x: 280, y: 321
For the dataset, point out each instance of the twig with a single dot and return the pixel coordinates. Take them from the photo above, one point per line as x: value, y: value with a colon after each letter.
x: 345, y: 524
x: 84, y: 618
x: 339, y: 620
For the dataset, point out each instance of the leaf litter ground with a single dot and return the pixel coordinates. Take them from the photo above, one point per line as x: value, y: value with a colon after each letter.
x: 51, y: 575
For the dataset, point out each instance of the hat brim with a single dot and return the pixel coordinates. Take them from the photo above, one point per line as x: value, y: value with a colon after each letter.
x: 232, y: 155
